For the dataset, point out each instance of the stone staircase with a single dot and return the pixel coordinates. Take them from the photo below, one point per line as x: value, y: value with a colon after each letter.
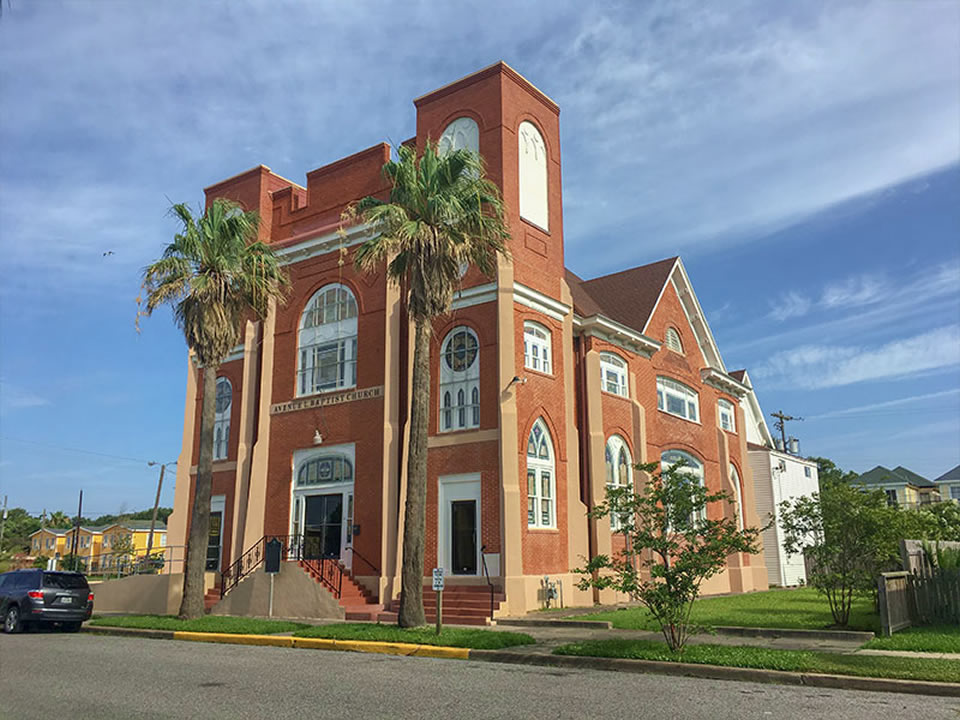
x: 462, y: 605
x: 211, y: 598
x: 357, y: 602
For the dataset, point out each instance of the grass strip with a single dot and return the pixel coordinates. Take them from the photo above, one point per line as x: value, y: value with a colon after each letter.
x: 804, y: 661
x: 451, y: 637
x: 802, y: 608
x: 935, y: 638
x: 207, y: 623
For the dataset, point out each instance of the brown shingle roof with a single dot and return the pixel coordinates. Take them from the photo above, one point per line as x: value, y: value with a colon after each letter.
x: 737, y: 375
x: 628, y: 297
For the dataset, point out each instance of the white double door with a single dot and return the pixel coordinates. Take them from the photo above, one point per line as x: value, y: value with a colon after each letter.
x: 323, y: 517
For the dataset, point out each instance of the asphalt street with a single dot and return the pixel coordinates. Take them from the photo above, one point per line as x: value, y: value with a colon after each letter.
x: 85, y: 676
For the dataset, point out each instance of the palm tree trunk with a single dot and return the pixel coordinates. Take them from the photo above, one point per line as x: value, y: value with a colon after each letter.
x: 414, y: 529
x: 196, y: 552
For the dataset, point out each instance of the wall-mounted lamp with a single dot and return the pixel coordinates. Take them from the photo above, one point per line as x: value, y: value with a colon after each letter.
x: 317, y: 437
x: 518, y: 379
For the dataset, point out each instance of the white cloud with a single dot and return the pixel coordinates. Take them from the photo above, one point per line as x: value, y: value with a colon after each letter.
x: 17, y: 398
x: 790, y: 305
x: 822, y: 366
x: 886, y: 404
x: 854, y: 291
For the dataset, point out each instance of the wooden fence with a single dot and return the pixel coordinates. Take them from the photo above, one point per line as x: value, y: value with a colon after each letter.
x: 929, y: 596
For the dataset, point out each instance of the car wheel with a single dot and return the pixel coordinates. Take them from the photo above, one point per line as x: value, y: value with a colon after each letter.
x: 72, y: 626
x: 11, y: 621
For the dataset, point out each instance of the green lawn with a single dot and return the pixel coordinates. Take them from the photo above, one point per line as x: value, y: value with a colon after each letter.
x: 207, y: 623
x: 451, y: 637
x: 936, y: 638
x: 767, y: 659
x: 800, y: 608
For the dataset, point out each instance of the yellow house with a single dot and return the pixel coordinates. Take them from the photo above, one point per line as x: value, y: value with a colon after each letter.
x: 48, y: 542
x: 87, y: 546
x: 128, y: 540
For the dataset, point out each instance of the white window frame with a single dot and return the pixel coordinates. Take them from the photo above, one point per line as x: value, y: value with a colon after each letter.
x: 672, y: 340
x: 459, y: 388
x: 613, y: 374
x: 541, y: 478
x: 669, y: 389
x: 807, y: 472
x: 893, y: 499
x: 954, y: 491
x: 619, y: 467
x: 328, y: 326
x: 694, y: 468
x: 727, y: 415
x: 737, y: 496
x: 537, y: 353
x: 221, y: 419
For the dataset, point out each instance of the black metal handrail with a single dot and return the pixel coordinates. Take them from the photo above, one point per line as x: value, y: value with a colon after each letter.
x: 329, y: 570
x: 376, y: 570
x: 486, y: 574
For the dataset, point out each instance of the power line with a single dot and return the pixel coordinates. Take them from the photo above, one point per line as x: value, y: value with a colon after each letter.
x: 75, y: 450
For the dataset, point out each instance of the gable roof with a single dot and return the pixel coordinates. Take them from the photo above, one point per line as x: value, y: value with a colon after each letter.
x: 739, y: 375
x: 137, y: 525
x: 950, y: 476
x: 882, y: 476
x: 629, y: 297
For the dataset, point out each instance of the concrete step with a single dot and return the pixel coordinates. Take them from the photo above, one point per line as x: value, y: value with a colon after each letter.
x: 448, y: 619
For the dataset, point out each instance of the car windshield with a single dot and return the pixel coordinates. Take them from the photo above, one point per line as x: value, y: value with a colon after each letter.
x: 64, y: 581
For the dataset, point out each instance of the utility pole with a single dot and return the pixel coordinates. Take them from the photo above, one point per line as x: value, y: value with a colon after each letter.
x: 780, y: 424
x: 3, y: 521
x: 156, y: 505
x: 76, y: 531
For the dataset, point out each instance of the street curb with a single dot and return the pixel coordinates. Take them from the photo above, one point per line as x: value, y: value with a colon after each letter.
x: 583, y: 624
x: 366, y: 646
x: 719, y: 672
x: 851, y: 635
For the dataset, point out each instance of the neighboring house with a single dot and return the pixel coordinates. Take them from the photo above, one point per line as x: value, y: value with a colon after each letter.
x: 48, y: 542
x: 139, y: 532
x: 87, y: 546
x: 949, y: 485
x: 902, y: 487
x: 545, y: 388
x: 777, y: 476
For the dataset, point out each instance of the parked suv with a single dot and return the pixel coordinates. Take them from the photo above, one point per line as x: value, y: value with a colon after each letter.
x: 41, y: 596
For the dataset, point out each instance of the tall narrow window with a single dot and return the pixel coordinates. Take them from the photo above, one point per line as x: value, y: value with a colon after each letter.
x: 677, y: 399
x: 221, y: 421
x: 737, y: 496
x: 727, y: 415
x: 613, y: 371
x: 533, y: 175
x: 690, y: 467
x: 460, y: 380
x: 536, y: 347
x: 541, y: 483
x: 327, y: 358
x: 619, y: 473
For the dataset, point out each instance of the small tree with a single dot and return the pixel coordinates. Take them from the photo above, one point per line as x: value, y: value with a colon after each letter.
x: 122, y: 550
x: 848, y: 534
x: 673, y: 540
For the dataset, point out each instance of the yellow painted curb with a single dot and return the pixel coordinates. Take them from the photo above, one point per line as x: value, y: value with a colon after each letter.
x: 384, y: 648
x: 233, y: 639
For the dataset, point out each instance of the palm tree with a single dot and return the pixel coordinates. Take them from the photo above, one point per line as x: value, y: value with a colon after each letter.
x: 215, y: 274
x: 58, y: 519
x: 442, y: 212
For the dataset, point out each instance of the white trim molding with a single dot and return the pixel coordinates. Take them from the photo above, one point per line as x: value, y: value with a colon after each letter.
x: 476, y: 295
x: 723, y: 382
x: 534, y: 300
x: 310, y: 244
x: 613, y: 332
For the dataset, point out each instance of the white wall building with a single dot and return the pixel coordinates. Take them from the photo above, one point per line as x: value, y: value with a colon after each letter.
x: 777, y: 476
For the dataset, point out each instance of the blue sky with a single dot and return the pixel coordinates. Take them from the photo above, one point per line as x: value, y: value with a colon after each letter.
x: 802, y: 158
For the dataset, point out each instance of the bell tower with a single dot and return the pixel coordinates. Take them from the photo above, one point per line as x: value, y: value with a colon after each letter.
x: 516, y: 129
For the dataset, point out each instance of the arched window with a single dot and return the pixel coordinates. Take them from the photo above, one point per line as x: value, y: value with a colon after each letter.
x: 673, y: 340
x: 221, y: 419
x: 460, y: 380
x: 461, y: 134
x: 619, y: 472
x: 536, y: 347
x: 691, y: 467
x: 325, y: 469
x: 677, y: 399
x: 727, y: 415
x: 541, y: 484
x: 737, y: 496
x: 328, y: 342
x: 613, y: 373
x: 533, y: 175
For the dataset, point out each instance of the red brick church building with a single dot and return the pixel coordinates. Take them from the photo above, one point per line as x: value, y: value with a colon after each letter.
x: 545, y: 387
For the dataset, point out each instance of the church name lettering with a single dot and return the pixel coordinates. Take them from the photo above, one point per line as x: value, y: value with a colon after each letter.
x: 326, y: 400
